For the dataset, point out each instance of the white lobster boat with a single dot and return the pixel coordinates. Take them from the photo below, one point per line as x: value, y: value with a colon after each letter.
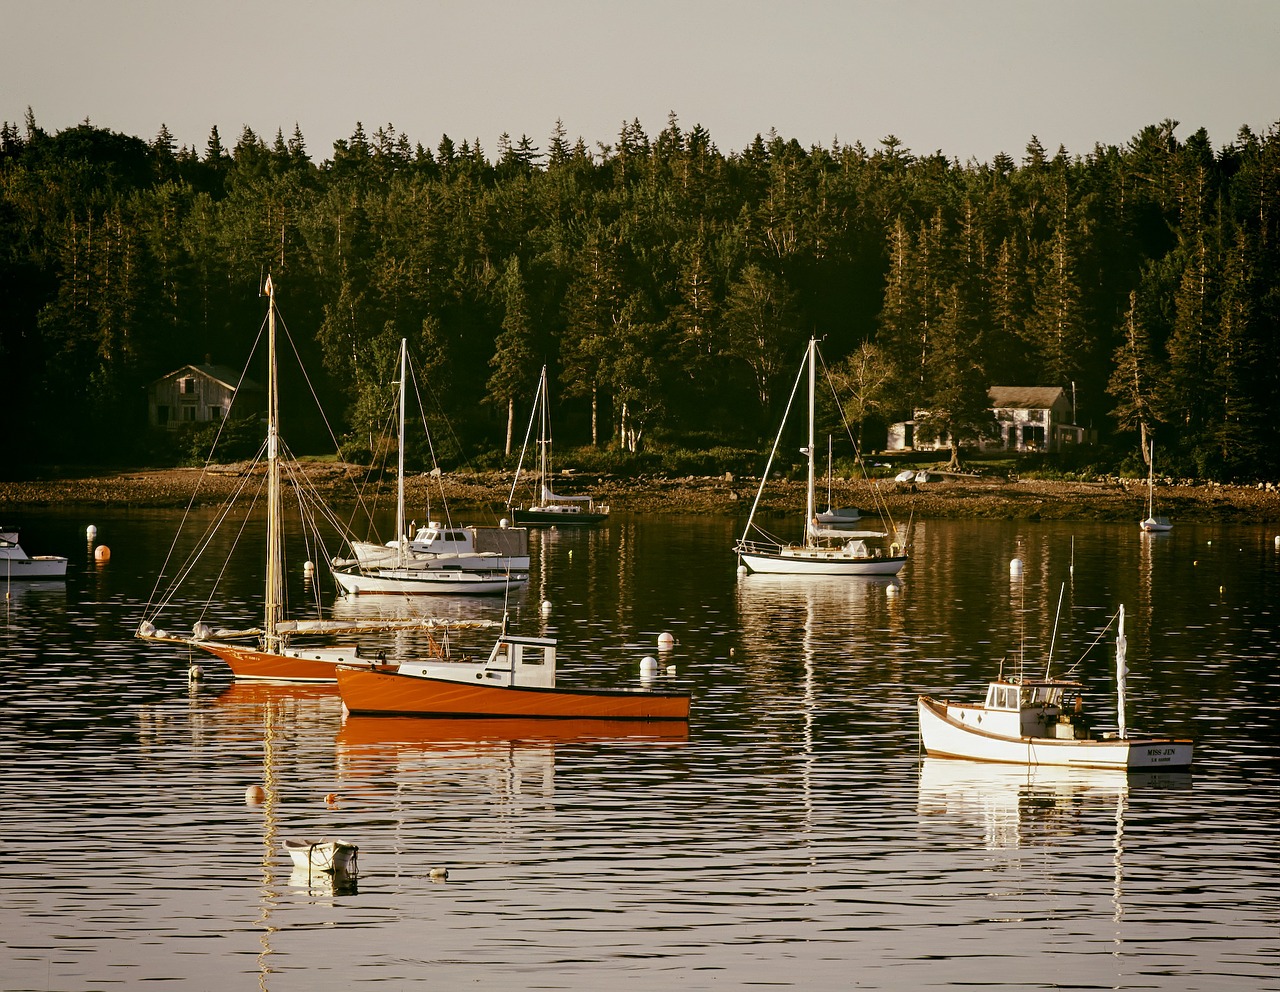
x: 1044, y: 722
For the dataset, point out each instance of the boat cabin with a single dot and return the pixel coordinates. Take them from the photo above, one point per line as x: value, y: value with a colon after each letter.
x: 1048, y: 708
x: 528, y: 662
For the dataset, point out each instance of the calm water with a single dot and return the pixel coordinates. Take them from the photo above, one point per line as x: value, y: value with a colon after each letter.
x: 792, y: 837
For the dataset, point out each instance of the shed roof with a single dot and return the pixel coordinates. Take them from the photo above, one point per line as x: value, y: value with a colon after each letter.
x: 1026, y: 397
x: 224, y: 375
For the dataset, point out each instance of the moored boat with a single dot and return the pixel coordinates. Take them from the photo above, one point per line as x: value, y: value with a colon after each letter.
x: 271, y: 652
x: 1044, y: 722
x: 17, y: 564
x: 826, y: 548
x: 516, y: 679
x: 1153, y: 523
x: 548, y: 508
x: 332, y: 856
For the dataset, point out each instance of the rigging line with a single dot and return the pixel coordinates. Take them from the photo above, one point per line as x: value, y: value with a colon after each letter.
x: 1053, y: 638
x: 202, y: 543
x: 525, y: 447
x: 764, y: 477
x: 879, y: 504
x: 204, y: 470
x: 1101, y: 634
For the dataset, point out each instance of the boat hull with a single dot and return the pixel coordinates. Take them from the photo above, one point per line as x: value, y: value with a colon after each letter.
x: 377, y: 692
x: 784, y: 563
x: 268, y: 666
x: 943, y: 736
x: 556, y: 518
x: 1155, y: 525
x: 40, y: 567
x: 425, y: 582
x: 335, y: 857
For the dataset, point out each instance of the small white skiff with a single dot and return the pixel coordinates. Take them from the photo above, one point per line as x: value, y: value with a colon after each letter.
x: 336, y: 857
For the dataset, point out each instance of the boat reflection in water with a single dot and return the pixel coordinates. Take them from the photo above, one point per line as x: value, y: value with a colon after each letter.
x: 504, y: 757
x: 1018, y: 806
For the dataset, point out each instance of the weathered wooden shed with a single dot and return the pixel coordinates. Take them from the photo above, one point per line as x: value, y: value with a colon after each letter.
x: 197, y: 394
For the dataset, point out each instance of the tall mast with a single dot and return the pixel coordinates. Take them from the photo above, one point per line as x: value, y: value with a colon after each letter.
x: 809, y: 507
x: 400, y: 534
x: 544, y: 437
x: 1151, y: 481
x: 274, y: 612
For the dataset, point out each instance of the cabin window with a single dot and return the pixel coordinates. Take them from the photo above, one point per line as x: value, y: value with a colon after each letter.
x: 187, y: 385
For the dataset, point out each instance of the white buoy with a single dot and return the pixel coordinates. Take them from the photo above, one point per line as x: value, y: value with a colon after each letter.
x: 891, y: 591
x: 308, y: 567
x: 195, y: 673
x: 546, y: 607
x: 1015, y: 568
x: 742, y: 569
x: 1278, y: 542
x: 666, y: 642
x: 648, y: 667
x: 438, y: 874
x: 504, y: 523
x: 91, y: 532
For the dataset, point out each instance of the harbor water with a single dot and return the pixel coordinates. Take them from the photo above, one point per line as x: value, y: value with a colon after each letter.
x: 791, y: 836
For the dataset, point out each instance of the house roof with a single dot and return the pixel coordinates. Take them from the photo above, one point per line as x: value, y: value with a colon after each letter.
x: 224, y: 375
x: 1026, y: 397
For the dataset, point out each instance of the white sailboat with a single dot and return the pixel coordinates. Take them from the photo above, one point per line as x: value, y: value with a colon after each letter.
x: 270, y: 653
x: 822, y: 550
x: 1153, y: 523
x: 398, y: 568
x: 833, y: 516
x: 549, y: 508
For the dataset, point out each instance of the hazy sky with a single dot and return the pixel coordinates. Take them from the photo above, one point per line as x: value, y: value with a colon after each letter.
x: 970, y: 78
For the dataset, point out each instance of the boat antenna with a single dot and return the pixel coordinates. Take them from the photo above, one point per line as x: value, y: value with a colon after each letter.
x: 1054, y: 637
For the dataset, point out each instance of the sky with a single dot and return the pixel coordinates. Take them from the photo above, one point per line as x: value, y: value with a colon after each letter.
x: 968, y: 78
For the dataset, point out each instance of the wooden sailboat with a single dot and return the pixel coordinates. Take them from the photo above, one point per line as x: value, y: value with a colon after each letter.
x: 823, y: 550
x: 399, y: 570
x: 271, y: 653
x: 1153, y: 523
x: 549, y: 508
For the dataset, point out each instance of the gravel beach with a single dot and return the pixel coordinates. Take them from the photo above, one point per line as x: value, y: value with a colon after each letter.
x: 1112, y: 500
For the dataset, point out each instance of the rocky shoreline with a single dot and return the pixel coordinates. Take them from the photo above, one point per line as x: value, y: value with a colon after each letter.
x: 955, y: 498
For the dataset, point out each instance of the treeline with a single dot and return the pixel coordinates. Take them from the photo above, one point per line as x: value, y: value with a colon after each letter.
x: 669, y: 286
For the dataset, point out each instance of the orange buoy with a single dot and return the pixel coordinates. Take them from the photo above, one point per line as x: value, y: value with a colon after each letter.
x: 102, y: 553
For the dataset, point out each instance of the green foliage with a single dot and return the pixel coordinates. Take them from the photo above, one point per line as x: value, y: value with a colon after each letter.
x: 668, y: 286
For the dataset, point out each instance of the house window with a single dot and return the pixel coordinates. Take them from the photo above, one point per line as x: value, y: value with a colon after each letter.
x: 187, y: 385
x: 189, y: 413
x: 1032, y: 437
x: 162, y: 415
x: 215, y: 413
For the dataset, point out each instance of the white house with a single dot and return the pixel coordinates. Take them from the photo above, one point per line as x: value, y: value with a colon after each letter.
x: 1030, y: 418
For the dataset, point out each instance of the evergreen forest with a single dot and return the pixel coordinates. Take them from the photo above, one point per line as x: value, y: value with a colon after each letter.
x: 668, y: 286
